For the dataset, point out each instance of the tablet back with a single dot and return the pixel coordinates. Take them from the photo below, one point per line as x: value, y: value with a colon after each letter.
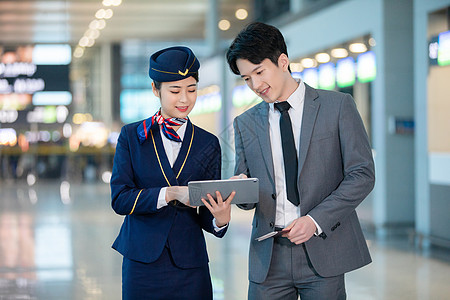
x: 247, y: 190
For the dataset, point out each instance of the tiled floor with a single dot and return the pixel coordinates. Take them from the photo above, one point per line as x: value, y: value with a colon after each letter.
x: 55, y: 243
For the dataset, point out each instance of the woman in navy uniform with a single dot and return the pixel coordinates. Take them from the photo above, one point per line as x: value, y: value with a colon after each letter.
x: 161, y: 238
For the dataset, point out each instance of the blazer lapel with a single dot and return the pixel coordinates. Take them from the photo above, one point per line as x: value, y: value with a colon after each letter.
x: 310, y: 110
x: 179, y: 162
x: 163, y: 160
x: 262, y: 132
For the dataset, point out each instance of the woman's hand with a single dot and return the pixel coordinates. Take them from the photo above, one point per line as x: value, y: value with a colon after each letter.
x: 221, y: 210
x: 180, y: 193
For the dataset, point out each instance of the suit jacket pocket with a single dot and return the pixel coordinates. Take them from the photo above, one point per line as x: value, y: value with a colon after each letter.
x: 322, y: 136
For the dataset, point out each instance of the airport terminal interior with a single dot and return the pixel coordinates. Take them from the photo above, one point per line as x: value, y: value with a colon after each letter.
x: 73, y: 72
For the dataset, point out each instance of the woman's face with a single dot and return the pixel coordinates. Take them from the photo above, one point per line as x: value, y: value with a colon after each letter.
x: 177, y: 97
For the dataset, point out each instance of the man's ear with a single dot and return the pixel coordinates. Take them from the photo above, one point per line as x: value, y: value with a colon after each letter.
x: 155, y: 90
x: 283, y: 61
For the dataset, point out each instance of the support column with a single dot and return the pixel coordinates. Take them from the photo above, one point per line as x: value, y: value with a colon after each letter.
x: 226, y: 127
x: 212, y: 31
x: 106, y: 81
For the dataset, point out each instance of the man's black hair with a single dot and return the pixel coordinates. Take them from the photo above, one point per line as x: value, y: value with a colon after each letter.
x: 256, y: 42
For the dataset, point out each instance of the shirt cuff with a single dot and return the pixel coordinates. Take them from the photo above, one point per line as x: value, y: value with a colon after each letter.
x: 216, y: 228
x: 318, y: 229
x: 162, y: 198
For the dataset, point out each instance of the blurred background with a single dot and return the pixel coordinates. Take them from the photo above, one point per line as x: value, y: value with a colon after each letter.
x: 72, y: 72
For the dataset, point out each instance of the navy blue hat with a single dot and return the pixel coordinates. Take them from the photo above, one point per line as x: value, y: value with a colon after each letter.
x: 172, y: 64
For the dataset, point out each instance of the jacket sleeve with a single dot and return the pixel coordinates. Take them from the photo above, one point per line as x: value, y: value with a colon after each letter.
x: 215, y: 170
x: 126, y: 197
x: 240, y: 160
x: 358, y: 169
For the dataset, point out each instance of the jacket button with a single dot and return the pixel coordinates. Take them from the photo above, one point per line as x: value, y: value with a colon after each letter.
x: 271, y: 224
x: 274, y: 196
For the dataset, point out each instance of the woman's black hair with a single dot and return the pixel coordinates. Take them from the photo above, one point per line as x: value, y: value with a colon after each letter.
x: 256, y: 42
x: 158, y: 84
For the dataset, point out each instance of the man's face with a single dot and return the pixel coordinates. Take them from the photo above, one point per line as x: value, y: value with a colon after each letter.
x: 266, y: 79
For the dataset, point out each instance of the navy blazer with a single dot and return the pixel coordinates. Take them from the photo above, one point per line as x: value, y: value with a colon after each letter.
x: 136, y: 181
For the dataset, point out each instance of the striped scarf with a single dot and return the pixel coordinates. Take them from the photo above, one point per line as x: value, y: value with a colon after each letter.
x: 167, y: 124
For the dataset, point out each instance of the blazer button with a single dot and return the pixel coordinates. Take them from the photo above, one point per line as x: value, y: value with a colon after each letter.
x: 271, y: 224
x: 274, y: 196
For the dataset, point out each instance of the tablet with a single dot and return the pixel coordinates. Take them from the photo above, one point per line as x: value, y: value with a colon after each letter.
x: 247, y: 190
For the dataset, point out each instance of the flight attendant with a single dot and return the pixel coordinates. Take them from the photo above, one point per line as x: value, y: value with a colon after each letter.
x: 161, y: 238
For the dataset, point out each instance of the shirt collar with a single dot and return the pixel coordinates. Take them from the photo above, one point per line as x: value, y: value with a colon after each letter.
x: 295, y: 99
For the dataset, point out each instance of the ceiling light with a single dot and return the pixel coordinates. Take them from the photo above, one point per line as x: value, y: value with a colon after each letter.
x: 296, y: 67
x: 308, y: 62
x: 78, y: 52
x: 94, y: 24
x: 101, y: 24
x: 91, y: 43
x: 97, y: 24
x: 322, y: 57
x: 241, y: 14
x: 111, y: 2
x: 108, y: 14
x: 372, y: 42
x: 92, y: 33
x: 100, y: 14
x: 84, y: 41
x: 358, y: 48
x: 224, y: 25
x: 339, y: 52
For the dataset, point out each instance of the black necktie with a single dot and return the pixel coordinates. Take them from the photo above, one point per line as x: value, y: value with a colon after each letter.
x: 289, y: 152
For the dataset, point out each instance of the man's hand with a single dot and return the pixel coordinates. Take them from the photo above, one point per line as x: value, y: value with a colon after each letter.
x: 301, y: 230
x: 240, y: 176
x: 221, y: 210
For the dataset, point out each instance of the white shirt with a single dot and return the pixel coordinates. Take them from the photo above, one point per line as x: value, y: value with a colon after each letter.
x: 172, y: 149
x: 286, y: 212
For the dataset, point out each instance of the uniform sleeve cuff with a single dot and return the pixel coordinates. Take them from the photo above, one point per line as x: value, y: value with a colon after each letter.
x: 162, y: 198
x: 216, y: 228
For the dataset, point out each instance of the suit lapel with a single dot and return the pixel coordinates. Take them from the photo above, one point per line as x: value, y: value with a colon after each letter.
x: 163, y: 160
x: 184, y: 148
x: 310, y: 110
x: 262, y: 132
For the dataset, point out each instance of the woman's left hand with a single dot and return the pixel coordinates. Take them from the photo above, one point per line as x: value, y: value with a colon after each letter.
x: 221, y: 210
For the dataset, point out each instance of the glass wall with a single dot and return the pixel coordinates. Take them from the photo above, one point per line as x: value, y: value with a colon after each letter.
x: 348, y: 67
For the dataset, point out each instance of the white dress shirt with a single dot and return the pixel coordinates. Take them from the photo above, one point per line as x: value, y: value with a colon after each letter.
x: 172, y: 149
x: 286, y: 212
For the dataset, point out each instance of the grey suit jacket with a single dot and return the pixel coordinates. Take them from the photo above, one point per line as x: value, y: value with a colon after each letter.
x: 336, y: 173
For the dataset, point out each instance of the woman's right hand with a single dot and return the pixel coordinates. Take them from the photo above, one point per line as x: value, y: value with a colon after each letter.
x: 220, y: 209
x: 180, y: 193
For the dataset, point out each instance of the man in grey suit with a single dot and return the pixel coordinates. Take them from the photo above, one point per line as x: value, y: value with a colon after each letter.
x: 312, y: 156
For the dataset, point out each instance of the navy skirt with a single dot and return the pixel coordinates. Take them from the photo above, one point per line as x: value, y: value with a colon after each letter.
x: 162, y: 279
